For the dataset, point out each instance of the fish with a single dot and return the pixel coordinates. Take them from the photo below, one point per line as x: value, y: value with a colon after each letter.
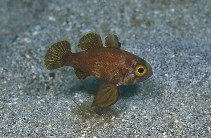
x: 110, y: 64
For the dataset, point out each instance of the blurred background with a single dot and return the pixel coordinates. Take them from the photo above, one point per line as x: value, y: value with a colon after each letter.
x: 172, y: 35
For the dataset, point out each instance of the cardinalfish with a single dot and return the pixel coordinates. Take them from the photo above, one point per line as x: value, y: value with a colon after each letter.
x: 109, y: 63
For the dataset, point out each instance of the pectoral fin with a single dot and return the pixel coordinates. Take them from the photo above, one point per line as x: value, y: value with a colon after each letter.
x: 107, y: 95
x: 90, y: 40
x: 112, y: 41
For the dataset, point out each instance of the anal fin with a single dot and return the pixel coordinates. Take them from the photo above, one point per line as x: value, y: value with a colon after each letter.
x: 81, y: 74
x: 107, y: 95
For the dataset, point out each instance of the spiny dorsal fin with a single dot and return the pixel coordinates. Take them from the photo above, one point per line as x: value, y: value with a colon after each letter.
x: 90, y: 40
x: 112, y: 41
x: 107, y: 95
x: 81, y: 74
x: 56, y: 55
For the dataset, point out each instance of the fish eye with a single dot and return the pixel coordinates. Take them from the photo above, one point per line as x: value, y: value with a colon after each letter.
x: 140, y: 70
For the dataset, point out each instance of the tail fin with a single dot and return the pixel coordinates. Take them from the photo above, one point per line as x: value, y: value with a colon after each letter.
x: 56, y: 55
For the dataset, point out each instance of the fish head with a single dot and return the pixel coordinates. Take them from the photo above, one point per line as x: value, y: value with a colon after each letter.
x: 138, y: 71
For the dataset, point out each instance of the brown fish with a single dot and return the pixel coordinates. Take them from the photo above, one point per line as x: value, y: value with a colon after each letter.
x: 110, y: 64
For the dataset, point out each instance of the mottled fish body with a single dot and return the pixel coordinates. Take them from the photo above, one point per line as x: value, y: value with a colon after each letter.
x: 110, y: 64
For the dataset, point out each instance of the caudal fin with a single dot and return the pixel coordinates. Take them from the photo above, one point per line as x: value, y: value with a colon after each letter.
x: 56, y: 56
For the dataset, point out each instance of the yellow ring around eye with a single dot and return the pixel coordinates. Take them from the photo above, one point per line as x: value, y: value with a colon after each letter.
x: 140, y: 70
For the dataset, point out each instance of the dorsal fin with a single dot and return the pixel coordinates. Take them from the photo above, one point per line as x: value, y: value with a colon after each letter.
x: 90, y: 40
x: 80, y: 74
x: 112, y: 41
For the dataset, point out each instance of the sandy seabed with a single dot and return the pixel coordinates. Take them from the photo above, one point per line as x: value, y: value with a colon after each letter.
x: 173, y: 36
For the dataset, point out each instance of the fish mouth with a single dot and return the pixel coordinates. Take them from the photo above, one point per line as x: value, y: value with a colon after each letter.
x: 150, y: 72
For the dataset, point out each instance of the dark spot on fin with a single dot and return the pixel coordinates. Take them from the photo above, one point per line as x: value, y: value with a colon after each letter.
x: 81, y: 74
x: 56, y: 55
x: 90, y: 40
x: 107, y: 95
x: 112, y: 41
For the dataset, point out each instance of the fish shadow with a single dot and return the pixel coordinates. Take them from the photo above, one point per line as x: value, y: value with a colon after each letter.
x: 89, y: 85
x: 128, y: 90
x: 148, y: 89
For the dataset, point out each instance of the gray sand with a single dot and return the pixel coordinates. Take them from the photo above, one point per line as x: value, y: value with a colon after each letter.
x: 172, y: 35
